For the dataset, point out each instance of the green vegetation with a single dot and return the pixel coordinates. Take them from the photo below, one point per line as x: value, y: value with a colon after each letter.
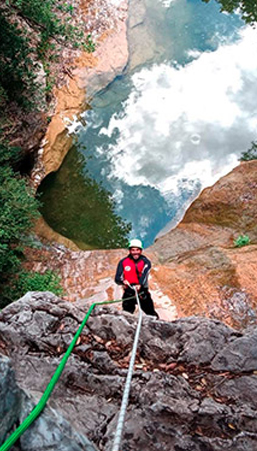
x: 34, y: 281
x: 241, y: 241
x: 250, y: 154
x: 16, y: 75
x: 32, y: 35
x: 33, y: 31
x: 89, y: 45
x: 19, y: 209
x: 248, y: 8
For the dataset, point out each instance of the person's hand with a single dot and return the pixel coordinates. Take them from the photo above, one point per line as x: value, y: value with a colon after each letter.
x: 125, y: 284
x: 138, y: 287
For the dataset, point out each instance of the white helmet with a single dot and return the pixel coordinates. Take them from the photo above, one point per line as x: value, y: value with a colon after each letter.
x: 135, y: 243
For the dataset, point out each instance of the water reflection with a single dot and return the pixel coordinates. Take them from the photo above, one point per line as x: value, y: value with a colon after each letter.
x: 169, y: 30
x: 180, y: 117
x: 189, y: 121
x: 81, y: 209
x: 180, y: 126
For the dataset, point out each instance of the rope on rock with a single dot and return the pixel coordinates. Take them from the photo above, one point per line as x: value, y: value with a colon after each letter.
x: 124, y: 403
x: 46, y: 395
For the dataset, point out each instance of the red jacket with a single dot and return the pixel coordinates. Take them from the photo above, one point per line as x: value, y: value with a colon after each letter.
x: 136, y: 272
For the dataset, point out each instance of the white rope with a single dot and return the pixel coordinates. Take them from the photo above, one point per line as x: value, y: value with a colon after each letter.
x: 124, y: 402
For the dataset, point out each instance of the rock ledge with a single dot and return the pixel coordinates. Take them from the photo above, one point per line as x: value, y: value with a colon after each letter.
x: 194, y: 385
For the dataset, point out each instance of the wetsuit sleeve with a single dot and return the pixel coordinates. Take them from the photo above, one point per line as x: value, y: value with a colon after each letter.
x: 119, y: 277
x: 145, y: 273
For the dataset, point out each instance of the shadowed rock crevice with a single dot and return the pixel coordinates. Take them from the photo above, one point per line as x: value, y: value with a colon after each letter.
x: 193, y: 386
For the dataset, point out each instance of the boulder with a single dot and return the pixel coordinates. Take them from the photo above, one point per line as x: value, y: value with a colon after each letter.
x: 49, y: 432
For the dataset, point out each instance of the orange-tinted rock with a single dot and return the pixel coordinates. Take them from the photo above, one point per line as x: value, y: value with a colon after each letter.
x: 87, y: 74
x: 202, y: 271
x: 46, y: 232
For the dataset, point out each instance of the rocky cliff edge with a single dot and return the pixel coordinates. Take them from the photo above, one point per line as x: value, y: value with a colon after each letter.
x: 194, y: 386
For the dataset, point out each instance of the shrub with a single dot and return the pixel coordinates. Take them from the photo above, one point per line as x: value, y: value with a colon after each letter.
x: 89, y: 44
x: 250, y: 154
x: 16, y: 75
x: 18, y: 211
x: 241, y: 241
x: 31, y: 30
x: 36, y: 281
x: 17, y: 214
x: 30, y: 281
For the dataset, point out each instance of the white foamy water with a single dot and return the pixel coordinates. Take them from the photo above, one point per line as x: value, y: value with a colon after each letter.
x: 190, y: 122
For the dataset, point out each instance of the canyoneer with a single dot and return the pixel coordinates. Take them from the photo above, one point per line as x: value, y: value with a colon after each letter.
x: 133, y: 271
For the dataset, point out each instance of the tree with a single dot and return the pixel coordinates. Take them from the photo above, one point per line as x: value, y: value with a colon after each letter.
x: 33, y: 31
x: 248, y: 8
x: 250, y: 154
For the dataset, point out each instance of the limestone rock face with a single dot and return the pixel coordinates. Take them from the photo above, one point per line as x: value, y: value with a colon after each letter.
x: 90, y: 274
x: 50, y: 431
x: 194, y: 385
x: 88, y: 74
x: 200, y: 267
x: 10, y: 398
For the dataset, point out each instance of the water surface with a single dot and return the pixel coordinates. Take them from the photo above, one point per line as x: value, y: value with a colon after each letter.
x: 177, y: 120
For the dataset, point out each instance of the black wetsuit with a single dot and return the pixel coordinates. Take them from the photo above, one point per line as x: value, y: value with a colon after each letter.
x: 136, y: 272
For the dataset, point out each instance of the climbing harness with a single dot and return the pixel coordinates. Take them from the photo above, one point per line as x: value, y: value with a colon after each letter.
x: 124, y: 403
x: 46, y: 395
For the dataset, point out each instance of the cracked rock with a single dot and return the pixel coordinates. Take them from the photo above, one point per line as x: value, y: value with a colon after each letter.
x: 193, y: 386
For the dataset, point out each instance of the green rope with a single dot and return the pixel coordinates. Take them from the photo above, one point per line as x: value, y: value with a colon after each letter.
x: 46, y: 395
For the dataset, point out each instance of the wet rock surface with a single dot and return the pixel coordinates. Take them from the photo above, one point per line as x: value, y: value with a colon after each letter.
x: 194, y: 385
